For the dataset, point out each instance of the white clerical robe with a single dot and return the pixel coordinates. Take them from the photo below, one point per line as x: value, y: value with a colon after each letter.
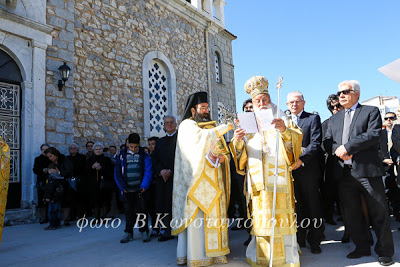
x: 259, y: 166
x: 199, y: 209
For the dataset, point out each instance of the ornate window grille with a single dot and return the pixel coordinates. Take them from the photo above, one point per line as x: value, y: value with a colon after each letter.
x: 217, y: 68
x: 220, y: 114
x: 10, y: 125
x: 158, y: 96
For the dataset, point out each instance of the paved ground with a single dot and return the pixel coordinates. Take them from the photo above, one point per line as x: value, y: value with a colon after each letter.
x: 30, y: 245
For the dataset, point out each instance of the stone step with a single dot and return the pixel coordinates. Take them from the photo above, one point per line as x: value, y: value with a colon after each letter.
x: 18, y: 216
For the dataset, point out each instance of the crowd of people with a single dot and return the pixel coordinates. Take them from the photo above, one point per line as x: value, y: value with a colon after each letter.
x: 346, y: 165
x: 103, y: 183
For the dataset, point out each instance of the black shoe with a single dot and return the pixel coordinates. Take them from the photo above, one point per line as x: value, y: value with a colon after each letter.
x: 154, y: 233
x: 50, y: 228
x: 165, y: 238
x: 43, y: 221
x: 247, y: 242
x: 316, y: 250
x: 358, y: 254
x: 385, y: 261
x: 66, y: 223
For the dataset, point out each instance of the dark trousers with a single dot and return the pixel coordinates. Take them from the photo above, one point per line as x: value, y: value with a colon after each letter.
x: 350, y: 189
x: 54, y: 214
x: 308, y: 205
x: 329, y: 197
x: 83, y: 202
x: 237, y: 197
x: 393, y: 193
x: 329, y: 191
x: 135, y: 206
x: 152, y: 205
x: 164, y: 204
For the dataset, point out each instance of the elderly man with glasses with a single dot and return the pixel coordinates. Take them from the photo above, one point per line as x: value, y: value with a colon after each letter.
x: 353, y: 136
x: 307, y: 175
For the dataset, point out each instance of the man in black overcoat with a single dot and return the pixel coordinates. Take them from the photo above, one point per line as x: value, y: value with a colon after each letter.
x: 163, y: 165
x: 79, y: 172
x: 353, y: 136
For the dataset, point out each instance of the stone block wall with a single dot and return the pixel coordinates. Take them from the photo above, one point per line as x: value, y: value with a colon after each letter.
x: 111, y: 41
x: 104, y: 42
x: 59, y: 104
x: 225, y: 89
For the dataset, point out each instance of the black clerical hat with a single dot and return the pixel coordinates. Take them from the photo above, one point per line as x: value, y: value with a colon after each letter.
x: 192, y: 100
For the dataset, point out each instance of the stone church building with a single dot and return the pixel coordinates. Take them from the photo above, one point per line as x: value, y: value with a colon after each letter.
x: 131, y: 63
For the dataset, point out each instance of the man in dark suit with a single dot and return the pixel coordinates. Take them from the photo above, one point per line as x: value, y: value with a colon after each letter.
x: 163, y: 164
x: 307, y: 175
x: 353, y: 136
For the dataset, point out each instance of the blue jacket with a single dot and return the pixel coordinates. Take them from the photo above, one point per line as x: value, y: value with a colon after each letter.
x: 120, y: 174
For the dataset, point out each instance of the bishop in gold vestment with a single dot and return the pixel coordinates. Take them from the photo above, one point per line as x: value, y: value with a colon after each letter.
x: 4, y: 177
x: 255, y: 156
x: 200, y: 191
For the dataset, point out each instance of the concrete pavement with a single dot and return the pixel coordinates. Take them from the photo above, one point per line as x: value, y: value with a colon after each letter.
x: 30, y: 245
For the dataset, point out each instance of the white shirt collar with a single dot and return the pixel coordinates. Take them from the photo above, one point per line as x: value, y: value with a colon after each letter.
x: 130, y: 152
x: 171, y: 134
x: 298, y: 115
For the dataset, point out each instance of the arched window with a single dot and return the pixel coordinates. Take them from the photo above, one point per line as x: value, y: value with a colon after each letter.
x: 159, y: 93
x: 217, y: 66
x: 158, y: 96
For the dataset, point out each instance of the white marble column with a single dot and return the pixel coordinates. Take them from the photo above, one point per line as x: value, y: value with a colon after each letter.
x: 219, y: 11
x: 197, y: 4
x: 33, y: 120
x: 207, y: 6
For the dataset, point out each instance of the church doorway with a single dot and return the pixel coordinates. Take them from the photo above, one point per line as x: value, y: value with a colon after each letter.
x: 10, y: 123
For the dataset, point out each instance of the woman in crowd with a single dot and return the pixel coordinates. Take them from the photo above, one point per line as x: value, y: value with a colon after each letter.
x: 100, y: 174
x: 40, y: 169
x: 66, y: 170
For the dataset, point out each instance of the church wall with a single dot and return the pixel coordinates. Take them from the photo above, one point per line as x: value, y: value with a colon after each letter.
x: 60, y: 104
x: 111, y: 41
x: 105, y: 43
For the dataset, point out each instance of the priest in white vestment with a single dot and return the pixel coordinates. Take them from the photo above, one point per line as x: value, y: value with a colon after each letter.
x: 201, y: 190
x: 255, y: 156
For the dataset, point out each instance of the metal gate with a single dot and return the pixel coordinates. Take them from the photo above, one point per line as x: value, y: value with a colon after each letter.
x: 10, y: 125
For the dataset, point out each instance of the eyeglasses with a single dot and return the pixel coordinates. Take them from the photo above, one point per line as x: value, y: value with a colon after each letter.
x: 336, y: 106
x: 390, y: 118
x: 346, y: 92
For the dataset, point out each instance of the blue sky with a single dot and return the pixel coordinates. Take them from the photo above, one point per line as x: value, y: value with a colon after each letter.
x: 314, y: 45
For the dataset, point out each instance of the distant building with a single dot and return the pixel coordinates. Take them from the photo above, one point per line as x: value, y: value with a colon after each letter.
x: 384, y: 103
